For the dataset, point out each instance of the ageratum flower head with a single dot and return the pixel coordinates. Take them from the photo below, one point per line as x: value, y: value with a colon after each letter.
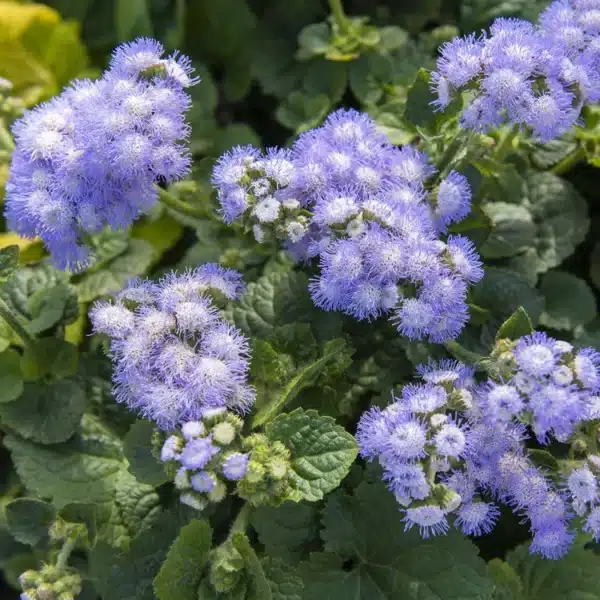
x: 174, y: 355
x: 346, y: 196
x: 537, y: 76
x: 90, y: 157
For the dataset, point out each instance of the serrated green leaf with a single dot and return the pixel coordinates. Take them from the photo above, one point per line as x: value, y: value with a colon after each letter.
x: 321, y: 451
x: 50, y: 307
x: 180, y: 574
x: 134, y: 508
x: 35, y: 281
x: 513, y: 230
x: 503, y: 291
x: 135, y: 260
x: 85, y: 514
x: 258, y: 585
x: 84, y: 469
x: 287, y: 531
x: 29, y: 519
x: 11, y: 380
x: 369, y: 556
x: 284, y: 582
x: 300, y: 112
x: 49, y: 357
x: 137, y: 446
x: 275, y: 299
x: 9, y: 259
x: 569, y: 301
x: 516, y: 326
x: 302, y: 379
x: 46, y: 413
x: 508, y: 585
x: 574, y: 577
x: 561, y: 216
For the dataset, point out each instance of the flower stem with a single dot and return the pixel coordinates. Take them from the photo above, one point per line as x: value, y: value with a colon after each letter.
x: 338, y: 15
x: 65, y: 552
x: 11, y: 318
x: 505, y: 143
x: 242, y: 520
x: 179, y: 206
x: 569, y: 161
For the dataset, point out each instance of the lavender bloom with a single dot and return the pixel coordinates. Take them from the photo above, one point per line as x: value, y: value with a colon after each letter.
x: 534, y: 76
x: 345, y: 195
x: 235, y: 466
x: 174, y: 355
x: 90, y: 157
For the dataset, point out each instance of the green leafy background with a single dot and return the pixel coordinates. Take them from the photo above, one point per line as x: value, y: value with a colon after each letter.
x: 269, y: 70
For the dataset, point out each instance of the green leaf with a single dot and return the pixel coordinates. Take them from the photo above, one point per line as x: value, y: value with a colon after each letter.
x: 132, y: 18
x: 130, y: 575
x: 180, y: 575
x: 46, y: 413
x: 301, y: 112
x: 516, y: 326
x: 84, y: 469
x: 321, y: 451
x: 332, y: 351
x: 369, y: 556
x: 569, y: 301
x: 26, y: 290
x: 138, y: 451
x: 561, y: 216
x: 275, y: 299
x: 513, y: 230
x: 259, y: 587
x: 49, y: 308
x: 287, y: 531
x: 314, y: 40
x: 135, y: 260
x: 503, y: 291
x: 546, y: 155
x: 284, y: 582
x: 49, y: 356
x: 543, y: 459
x: 84, y: 514
x: 11, y: 380
x: 29, y: 519
x: 574, y: 577
x: 508, y: 585
x: 9, y: 260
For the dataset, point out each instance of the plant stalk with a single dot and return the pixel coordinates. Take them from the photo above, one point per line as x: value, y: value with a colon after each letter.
x: 65, y: 552
x: 178, y: 205
x: 242, y: 520
x: 338, y: 15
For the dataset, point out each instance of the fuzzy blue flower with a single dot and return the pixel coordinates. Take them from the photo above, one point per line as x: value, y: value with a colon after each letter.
x: 430, y: 520
x: 90, y: 157
x: 178, y: 357
x: 476, y: 518
x: 198, y: 452
x: 235, y: 466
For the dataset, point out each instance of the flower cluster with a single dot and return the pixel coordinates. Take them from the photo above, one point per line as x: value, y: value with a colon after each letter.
x: 206, y: 455
x: 537, y: 76
x: 50, y: 583
x: 344, y: 194
x: 452, y: 449
x: 91, y: 156
x: 174, y: 355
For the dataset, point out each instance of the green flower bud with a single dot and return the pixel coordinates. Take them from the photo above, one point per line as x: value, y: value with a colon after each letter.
x: 218, y: 493
x: 224, y: 433
x: 193, y: 500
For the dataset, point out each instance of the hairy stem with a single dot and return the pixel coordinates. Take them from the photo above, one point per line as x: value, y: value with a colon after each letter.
x: 65, y: 552
x: 13, y: 320
x: 242, y: 520
x: 338, y: 15
x: 178, y: 205
x: 506, y: 142
x: 569, y: 161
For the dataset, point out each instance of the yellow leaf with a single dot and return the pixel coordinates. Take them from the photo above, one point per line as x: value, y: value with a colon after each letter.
x: 30, y: 250
x: 39, y: 53
x: 162, y: 233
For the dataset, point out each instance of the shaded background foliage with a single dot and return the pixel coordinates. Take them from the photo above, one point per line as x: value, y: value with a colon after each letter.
x: 270, y: 70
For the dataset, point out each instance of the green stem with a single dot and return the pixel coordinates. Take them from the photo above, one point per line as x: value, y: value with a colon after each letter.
x: 569, y: 161
x: 242, y: 520
x: 11, y: 318
x: 65, y: 552
x: 338, y: 15
x: 505, y: 143
x: 178, y: 205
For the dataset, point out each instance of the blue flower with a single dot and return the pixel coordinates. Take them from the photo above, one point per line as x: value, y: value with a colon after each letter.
x: 476, y: 518
x: 90, y: 157
x: 198, y: 452
x: 430, y: 520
